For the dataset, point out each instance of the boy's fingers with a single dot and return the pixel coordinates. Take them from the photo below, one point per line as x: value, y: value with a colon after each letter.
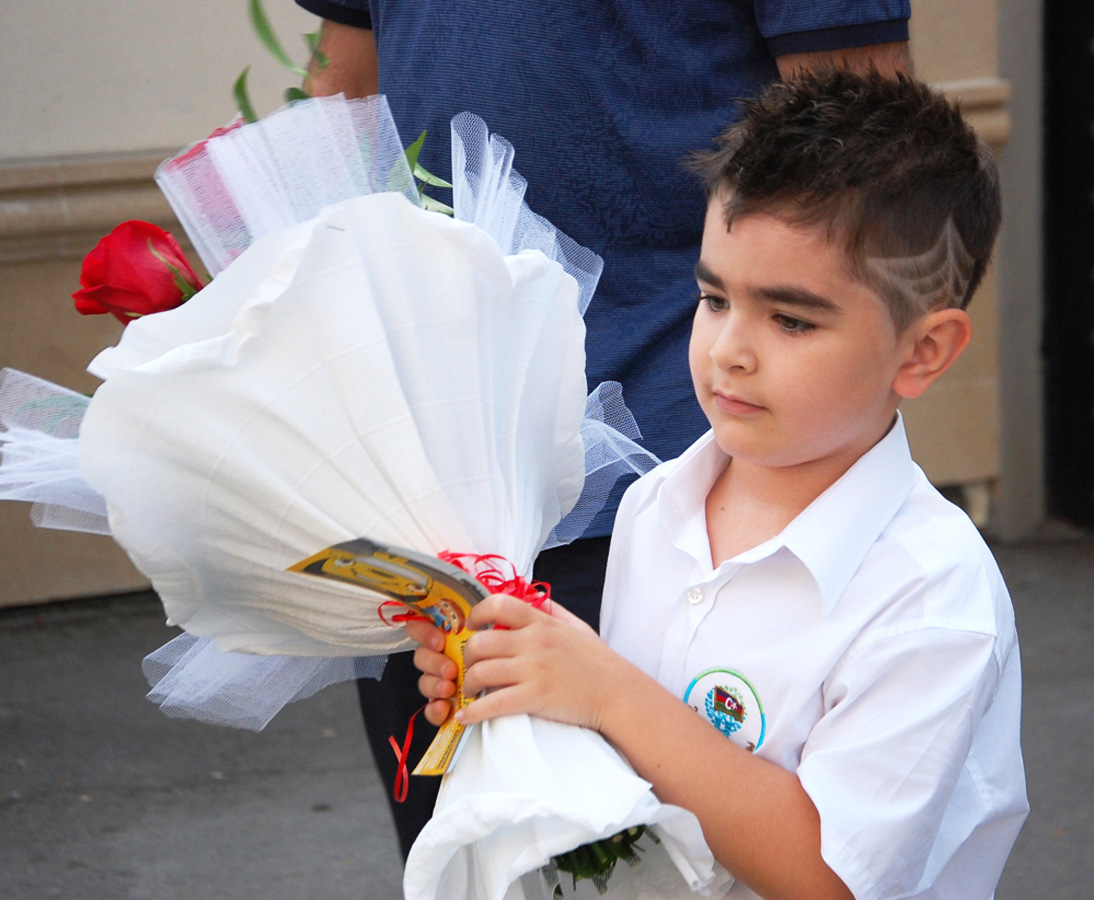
x: 501, y: 609
x: 430, y: 662
x: 426, y: 634
x: 492, y: 644
x: 500, y: 702
x: 490, y: 674
x: 433, y: 688
x: 437, y: 711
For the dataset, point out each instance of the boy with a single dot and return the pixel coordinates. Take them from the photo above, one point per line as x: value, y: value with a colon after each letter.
x: 792, y: 579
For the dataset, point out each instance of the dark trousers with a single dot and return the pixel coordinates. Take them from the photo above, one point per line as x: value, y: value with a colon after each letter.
x: 576, y: 575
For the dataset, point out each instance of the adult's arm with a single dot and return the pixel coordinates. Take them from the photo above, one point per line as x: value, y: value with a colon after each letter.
x: 889, y: 59
x: 350, y: 67
x: 349, y: 47
x: 879, y: 41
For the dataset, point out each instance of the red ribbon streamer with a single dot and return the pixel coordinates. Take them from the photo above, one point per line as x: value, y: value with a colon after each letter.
x: 402, y: 776
x: 498, y: 575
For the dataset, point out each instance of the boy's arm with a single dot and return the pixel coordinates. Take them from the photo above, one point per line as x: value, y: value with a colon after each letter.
x: 757, y: 818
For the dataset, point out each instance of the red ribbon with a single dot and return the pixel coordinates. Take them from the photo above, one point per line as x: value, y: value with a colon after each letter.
x: 497, y: 575
x: 409, y: 615
x: 402, y: 776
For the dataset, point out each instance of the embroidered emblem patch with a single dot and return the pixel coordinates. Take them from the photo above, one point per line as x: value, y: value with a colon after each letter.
x: 729, y: 702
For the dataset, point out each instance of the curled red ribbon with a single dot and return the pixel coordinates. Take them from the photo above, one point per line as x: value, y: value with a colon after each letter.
x: 497, y: 575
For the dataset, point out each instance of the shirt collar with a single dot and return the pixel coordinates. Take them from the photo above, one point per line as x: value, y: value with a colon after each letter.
x: 683, y: 495
x: 831, y: 536
x: 834, y: 533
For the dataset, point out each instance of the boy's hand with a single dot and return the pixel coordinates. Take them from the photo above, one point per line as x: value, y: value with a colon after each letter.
x: 548, y: 664
x: 438, y: 680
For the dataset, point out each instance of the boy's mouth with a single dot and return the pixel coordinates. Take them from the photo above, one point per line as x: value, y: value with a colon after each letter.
x: 731, y: 403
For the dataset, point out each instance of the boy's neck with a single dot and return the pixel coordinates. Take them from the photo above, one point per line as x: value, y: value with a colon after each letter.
x: 750, y: 504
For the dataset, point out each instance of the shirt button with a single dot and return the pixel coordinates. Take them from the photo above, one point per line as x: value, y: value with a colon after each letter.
x: 695, y: 596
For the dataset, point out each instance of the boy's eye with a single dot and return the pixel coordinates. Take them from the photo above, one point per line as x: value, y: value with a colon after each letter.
x: 713, y: 302
x: 791, y: 325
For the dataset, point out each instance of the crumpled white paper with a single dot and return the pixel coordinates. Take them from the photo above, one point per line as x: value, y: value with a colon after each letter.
x: 379, y: 371
x: 524, y: 789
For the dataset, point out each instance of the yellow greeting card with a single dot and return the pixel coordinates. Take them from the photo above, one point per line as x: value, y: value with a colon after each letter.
x: 423, y: 585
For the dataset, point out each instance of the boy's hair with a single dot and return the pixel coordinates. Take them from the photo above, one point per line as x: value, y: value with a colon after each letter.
x: 887, y: 167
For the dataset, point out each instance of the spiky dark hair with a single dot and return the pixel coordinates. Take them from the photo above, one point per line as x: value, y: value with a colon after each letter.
x: 887, y: 167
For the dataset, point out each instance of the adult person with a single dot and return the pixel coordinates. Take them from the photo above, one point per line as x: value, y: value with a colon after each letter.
x: 603, y: 101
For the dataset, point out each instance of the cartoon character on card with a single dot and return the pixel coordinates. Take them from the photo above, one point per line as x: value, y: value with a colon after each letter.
x: 446, y: 615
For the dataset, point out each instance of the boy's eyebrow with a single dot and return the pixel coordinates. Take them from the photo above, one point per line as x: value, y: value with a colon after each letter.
x: 702, y: 273
x: 790, y: 296
x: 793, y: 296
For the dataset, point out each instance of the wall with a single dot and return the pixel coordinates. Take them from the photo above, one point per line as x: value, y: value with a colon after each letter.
x: 106, y: 91
x: 1020, y: 500
x: 102, y: 77
x: 955, y: 429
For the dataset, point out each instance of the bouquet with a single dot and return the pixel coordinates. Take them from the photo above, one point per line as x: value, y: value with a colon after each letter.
x: 360, y: 367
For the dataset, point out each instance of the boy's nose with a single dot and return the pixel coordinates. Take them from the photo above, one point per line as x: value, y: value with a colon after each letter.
x: 732, y: 348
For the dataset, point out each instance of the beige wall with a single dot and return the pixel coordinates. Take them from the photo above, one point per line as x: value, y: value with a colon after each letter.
x: 105, y: 91
x: 102, y: 76
x: 954, y: 429
x: 988, y: 53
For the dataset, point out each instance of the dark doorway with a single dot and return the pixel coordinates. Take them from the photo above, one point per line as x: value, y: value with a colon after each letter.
x: 1069, y: 258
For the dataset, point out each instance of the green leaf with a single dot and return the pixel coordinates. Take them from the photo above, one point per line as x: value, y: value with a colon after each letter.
x: 265, y: 32
x: 426, y: 176
x: 243, y: 101
x: 412, y: 152
x: 601, y: 856
x: 295, y: 93
x: 596, y: 861
x: 426, y: 179
x: 428, y: 203
x: 318, y: 57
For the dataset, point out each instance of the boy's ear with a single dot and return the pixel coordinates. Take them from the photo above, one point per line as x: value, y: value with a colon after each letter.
x: 934, y: 344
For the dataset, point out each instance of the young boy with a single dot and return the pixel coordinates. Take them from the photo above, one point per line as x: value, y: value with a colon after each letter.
x: 793, y: 580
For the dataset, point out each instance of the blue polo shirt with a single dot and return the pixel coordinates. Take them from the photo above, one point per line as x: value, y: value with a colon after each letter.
x: 603, y: 101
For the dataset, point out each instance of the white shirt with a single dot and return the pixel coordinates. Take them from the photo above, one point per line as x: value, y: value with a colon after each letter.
x: 870, y: 648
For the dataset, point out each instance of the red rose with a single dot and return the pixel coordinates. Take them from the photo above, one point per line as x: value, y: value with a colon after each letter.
x: 135, y: 270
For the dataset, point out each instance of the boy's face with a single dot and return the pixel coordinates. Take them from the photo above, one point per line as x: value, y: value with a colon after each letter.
x: 792, y: 359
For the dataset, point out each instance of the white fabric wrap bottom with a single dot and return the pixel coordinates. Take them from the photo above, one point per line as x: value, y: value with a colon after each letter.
x: 524, y: 789
x: 378, y: 371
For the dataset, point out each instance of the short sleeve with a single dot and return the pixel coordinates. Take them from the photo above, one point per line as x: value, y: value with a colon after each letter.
x: 883, y: 762
x: 817, y: 27
x: 344, y: 12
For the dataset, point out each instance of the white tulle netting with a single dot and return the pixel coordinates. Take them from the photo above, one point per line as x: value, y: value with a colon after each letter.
x: 191, y: 679
x: 340, y: 310
x: 255, y: 179
x: 487, y: 192
x: 38, y: 447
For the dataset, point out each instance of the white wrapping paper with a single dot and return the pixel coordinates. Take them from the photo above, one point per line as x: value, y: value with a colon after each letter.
x: 525, y: 789
x: 379, y: 371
